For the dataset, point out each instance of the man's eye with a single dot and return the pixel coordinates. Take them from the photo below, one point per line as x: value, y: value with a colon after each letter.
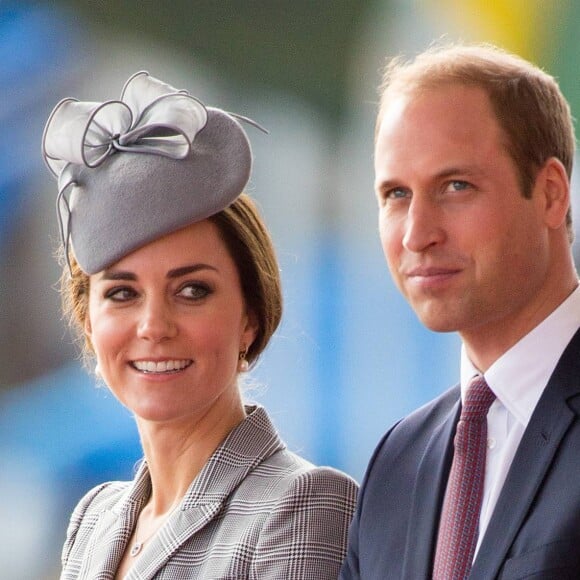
x: 459, y: 185
x: 194, y: 291
x: 397, y: 193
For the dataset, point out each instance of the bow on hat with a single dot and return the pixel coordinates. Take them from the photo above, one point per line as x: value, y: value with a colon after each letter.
x: 150, y: 117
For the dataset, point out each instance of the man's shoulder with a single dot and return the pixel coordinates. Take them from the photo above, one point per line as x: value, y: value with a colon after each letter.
x: 435, y: 410
x: 429, y: 415
x: 407, y: 438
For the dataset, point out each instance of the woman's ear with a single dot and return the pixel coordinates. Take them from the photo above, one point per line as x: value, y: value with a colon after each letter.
x: 250, y: 330
x: 87, y: 326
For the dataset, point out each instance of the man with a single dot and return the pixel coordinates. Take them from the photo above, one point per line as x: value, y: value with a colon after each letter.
x: 473, y: 159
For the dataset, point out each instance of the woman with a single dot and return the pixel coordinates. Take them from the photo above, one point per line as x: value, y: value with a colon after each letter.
x: 172, y: 280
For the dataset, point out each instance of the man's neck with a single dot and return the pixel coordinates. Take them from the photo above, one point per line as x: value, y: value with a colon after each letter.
x: 486, y: 344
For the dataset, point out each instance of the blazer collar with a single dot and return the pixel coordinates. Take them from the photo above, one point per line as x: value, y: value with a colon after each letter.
x: 558, y: 406
x: 249, y: 444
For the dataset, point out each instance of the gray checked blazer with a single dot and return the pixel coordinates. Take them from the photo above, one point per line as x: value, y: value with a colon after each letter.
x: 255, y: 511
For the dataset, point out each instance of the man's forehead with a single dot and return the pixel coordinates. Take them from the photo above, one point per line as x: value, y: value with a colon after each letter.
x: 428, y: 103
x: 441, y: 131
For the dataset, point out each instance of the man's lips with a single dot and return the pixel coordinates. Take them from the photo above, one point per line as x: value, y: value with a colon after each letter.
x: 430, y: 272
x: 431, y: 277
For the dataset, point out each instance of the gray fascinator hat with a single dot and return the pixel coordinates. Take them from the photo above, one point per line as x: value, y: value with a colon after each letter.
x: 133, y: 170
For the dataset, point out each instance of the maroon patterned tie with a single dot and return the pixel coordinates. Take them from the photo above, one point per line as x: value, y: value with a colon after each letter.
x: 459, y: 525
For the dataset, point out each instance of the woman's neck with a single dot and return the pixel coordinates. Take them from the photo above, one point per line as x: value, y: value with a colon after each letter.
x: 176, y: 452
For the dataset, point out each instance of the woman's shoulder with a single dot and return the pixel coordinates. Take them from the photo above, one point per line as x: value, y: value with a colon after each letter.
x: 102, y: 496
x: 276, y: 461
x: 86, y: 514
x: 287, y: 474
x: 306, y: 513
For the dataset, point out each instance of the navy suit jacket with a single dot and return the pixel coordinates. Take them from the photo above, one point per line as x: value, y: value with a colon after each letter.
x: 534, y: 531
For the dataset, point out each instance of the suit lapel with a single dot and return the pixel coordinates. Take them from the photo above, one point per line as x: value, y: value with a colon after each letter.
x: 427, y: 498
x: 548, y: 425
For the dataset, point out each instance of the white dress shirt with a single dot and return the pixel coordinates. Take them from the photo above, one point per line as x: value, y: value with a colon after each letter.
x: 518, y: 379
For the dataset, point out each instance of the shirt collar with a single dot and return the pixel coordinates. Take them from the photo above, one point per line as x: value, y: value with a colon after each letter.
x: 520, y: 375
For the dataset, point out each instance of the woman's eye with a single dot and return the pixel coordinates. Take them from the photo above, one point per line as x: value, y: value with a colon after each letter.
x: 194, y: 291
x: 120, y: 294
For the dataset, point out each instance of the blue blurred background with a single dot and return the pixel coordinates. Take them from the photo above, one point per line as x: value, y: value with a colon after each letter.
x: 350, y: 357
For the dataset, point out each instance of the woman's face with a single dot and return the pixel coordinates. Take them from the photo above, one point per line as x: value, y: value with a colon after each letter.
x: 167, y: 323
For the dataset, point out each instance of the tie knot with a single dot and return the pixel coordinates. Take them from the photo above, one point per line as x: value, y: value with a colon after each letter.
x: 478, y: 400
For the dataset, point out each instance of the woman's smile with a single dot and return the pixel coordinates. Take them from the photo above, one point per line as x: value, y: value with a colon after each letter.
x: 161, y: 367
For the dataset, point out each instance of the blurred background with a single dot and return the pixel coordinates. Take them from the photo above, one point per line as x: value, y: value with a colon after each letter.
x: 350, y: 357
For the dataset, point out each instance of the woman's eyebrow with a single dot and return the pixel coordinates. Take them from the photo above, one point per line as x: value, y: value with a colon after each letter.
x: 174, y: 273
x: 118, y: 275
x: 184, y: 270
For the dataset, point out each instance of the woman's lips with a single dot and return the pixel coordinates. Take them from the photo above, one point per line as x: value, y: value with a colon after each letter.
x: 163, y: 366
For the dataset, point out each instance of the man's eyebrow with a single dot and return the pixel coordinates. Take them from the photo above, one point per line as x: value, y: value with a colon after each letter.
x: 468, y: 170
x: 387, y: 185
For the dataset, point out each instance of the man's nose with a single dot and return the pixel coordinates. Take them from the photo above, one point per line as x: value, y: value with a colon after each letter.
x: 423, y: 225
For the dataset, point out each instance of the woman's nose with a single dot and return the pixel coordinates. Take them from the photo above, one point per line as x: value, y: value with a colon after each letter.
x: 157, y: 322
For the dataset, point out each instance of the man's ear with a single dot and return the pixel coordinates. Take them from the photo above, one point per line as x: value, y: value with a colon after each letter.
x: 553, y: 187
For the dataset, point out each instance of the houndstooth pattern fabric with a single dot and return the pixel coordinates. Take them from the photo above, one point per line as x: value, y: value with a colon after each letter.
x: 256, y: 511
x: 458, y: 528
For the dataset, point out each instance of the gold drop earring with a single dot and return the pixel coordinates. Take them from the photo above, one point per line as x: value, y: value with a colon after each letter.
x: 243, y: 364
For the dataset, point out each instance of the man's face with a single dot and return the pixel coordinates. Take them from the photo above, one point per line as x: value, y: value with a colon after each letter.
x: 463, y: 245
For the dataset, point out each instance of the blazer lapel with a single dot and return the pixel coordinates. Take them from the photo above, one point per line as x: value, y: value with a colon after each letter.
x: 101, y: 554
x: 177, y: 529
x: 109, y: 538
x: 548, y: 424
x: 428, y: 496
